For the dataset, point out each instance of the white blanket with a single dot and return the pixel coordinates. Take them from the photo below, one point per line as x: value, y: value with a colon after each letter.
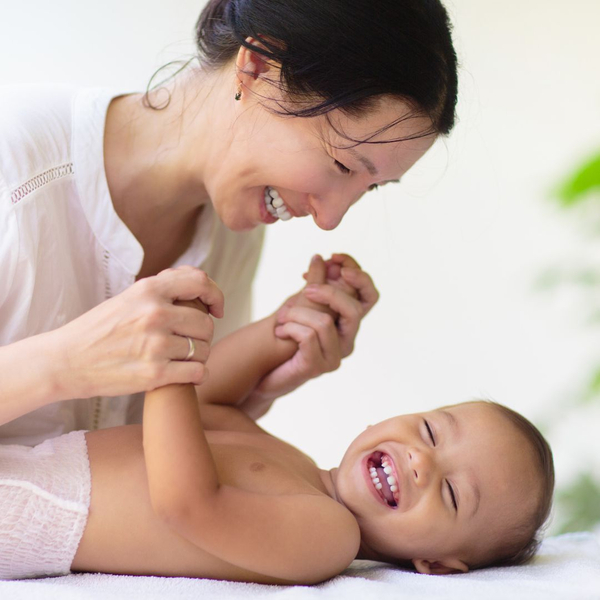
x: 568, y: 567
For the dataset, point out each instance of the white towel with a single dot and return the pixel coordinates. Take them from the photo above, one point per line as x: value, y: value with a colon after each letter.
x: 567, y: 568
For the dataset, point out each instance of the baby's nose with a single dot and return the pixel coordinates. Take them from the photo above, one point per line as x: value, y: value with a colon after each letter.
x: 421, y: 465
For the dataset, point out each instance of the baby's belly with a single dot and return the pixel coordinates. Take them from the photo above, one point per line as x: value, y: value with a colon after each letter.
x: 123, y: 535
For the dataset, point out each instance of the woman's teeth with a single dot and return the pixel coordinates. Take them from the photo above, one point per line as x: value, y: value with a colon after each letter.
x: 275, y: 204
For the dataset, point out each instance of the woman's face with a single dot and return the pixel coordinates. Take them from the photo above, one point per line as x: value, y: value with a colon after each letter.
x: 302, y: 160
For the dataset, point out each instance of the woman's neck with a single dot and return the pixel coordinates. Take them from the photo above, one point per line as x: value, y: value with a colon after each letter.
x: 155, y: 159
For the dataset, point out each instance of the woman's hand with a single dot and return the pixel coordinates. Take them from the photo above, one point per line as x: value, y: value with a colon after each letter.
x: 137, y: 341
x: 323, y: 319
x: 349, y: 292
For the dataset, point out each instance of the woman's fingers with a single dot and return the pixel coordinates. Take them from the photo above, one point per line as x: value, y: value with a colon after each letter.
x: 188, y: 283
x: 350, y: 312
x: 138, y: 340
x: 181, y: 372
x: 319, y: 326
x: 190, y: 321
x: 343, y: 260
x: 363, y: 284
x: 318, y: 351
x: 187, y: 348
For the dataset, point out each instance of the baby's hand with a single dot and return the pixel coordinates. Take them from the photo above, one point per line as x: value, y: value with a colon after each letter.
x: 317, y: 274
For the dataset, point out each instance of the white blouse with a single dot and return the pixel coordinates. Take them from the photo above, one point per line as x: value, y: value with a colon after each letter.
x: 64, y: 249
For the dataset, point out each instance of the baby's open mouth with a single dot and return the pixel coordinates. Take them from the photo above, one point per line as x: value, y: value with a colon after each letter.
x: 384, y: 477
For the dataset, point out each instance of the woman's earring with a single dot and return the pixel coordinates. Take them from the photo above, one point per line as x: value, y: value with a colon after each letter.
x: 238, y: 95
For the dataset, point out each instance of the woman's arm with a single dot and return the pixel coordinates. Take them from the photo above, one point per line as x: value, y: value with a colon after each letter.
x: 133, y: 342
x: 29, y: 376
x: 349, y: 293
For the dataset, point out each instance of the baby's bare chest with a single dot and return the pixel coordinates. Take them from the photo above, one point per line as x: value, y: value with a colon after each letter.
x: 261, y: 464
x: 123, y: 535
x: 253, y: 462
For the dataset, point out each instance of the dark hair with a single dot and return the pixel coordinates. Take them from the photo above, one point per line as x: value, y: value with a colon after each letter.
x: 344, y: 54
x: 523, y: 541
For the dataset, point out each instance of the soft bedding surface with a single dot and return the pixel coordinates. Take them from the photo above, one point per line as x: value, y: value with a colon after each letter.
x: 567, y: 567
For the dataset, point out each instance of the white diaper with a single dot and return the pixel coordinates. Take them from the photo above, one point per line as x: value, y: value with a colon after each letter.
x: 44, y: 503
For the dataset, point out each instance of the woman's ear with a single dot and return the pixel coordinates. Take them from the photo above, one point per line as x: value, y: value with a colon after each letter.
x: 249, y: 65
x: 446, y: 566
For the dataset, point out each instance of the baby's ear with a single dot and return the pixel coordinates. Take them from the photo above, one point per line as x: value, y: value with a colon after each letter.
x: 446, y: 566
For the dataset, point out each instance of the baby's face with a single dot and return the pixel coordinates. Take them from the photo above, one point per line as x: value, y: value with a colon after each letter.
x: 461, y: 475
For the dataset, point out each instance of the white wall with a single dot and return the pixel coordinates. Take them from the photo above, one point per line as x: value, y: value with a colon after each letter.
x: 455, y: 251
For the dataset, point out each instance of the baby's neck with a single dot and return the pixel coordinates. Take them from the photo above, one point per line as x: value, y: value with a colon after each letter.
x: 328, y: 479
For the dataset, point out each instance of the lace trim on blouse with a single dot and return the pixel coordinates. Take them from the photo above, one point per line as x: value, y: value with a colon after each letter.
x: 35, y: 183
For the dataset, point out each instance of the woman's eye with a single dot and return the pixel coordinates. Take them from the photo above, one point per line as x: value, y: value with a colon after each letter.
x: 452, y: 496
x: 343, y: 168
x: 430, y: 432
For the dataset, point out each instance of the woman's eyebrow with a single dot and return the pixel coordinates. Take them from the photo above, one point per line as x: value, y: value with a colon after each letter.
x: 365, y: 161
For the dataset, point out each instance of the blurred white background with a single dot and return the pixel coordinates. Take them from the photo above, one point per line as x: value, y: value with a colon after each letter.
x: 455, y: 250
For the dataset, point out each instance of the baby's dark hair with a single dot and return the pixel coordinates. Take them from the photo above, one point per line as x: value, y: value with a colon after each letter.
x: 520, y: 543
x: 344, y: 54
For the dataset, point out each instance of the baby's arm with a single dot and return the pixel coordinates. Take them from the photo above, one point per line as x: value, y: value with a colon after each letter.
x: 297, y: 538
x: 239, y: 361
x: 290, y: 538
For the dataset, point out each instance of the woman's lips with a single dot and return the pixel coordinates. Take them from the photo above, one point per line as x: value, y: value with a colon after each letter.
x: 265, y: 216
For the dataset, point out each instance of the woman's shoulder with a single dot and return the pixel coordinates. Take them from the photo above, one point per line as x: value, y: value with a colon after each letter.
x: 26, y: 106
x: 35, y: 129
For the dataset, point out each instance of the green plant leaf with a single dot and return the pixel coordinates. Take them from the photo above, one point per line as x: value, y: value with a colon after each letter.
x: 581, y: 502
x: 584, y: 180
x: 593, y: 389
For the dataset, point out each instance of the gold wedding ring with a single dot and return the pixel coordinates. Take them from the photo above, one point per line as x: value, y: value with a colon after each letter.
x: 192, y: 349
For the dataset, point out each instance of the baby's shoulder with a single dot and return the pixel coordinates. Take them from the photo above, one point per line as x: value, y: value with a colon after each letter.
x: 339, y: 539
x: 325, y: 534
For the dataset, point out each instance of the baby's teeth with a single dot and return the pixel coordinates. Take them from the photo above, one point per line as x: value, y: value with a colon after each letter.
x: 387, y: 470
x: 394, y: 488
x: 277, y: 202
x: 391, y: 480
x: 378, y: 486
x: 274, y: 193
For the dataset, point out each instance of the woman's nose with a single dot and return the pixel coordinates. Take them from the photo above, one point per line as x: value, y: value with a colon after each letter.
x: 328, y: 211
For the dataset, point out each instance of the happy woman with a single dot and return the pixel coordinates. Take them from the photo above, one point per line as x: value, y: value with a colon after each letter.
x: 295, y: 108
